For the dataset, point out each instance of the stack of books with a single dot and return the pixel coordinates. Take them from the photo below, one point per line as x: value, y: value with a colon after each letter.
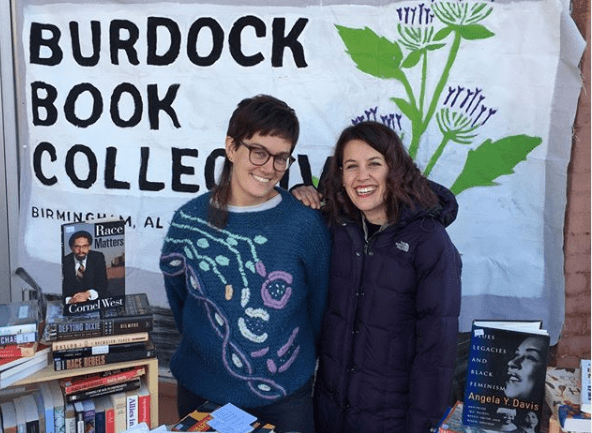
x: 20, y: 352
x: 102, y: 337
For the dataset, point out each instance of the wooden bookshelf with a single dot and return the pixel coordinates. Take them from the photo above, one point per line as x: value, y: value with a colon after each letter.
x: 48, y: 373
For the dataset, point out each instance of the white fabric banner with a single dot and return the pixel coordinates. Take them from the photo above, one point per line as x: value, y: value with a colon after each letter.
x: 124, y: 109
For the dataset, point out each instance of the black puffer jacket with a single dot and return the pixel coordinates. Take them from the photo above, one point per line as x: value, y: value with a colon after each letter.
x: 389, y: 335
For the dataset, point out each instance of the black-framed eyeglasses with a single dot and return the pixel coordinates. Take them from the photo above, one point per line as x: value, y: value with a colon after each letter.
x: 259, y: 156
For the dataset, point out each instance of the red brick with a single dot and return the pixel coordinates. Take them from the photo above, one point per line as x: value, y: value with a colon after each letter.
x: 579, y: 304
x: 577, y: 283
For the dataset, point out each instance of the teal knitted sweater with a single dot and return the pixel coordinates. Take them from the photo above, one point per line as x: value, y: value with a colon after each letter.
x: 247, y: 299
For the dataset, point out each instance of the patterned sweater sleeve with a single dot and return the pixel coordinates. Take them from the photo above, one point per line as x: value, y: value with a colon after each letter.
x: 172, y: 265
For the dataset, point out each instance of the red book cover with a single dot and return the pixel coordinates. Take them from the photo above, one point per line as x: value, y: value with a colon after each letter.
x: 18, y: 350
x: 95, y: 380
x: 144, y: 405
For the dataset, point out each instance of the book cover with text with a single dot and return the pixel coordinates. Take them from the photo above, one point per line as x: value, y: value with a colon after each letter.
x: 506, y: 371
x: 93, y: 265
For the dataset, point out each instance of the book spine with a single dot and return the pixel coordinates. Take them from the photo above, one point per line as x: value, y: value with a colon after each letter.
x: 69, y: 419
x: 99, y: 341
x: 100, y: 422
x: 119, y: 408
x: 14, y: 351
x: 100, y: 380
x: 89, y: 416
x: 106, y: 390
x: 18, y: 329
x: 131, y: 409
x: 144, y: 405
x: 27, y: 337
x: 101, y: 327
x: 97, y: 350
x: 110, y: 358
x: 110, y: 420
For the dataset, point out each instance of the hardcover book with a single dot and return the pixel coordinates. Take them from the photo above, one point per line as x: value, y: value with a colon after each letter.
x: 70, y: 418
x: 131, y: 315
x: 98, y: 341
x: 45, y: 403
x: 144, y: 404
x: 19, y: 317
x: 506, y: 370
x: 147, y: 351
x: 93, y: 265
x: 98, y: 350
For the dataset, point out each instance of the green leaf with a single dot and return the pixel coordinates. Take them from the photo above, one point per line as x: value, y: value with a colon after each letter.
x: 433, y: 47
x: 315, y: 181
x: 412, y: 59
x: 493, y: 159
x: 406, y: 108
x: 475, y: 31
x: 372, y: 54
x: 443, y: 33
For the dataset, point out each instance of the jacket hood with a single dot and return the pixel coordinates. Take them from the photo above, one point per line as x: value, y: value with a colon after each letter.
x: 445, y: 213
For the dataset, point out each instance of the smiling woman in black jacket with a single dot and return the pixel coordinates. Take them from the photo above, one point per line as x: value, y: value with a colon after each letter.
x: 388, y: 343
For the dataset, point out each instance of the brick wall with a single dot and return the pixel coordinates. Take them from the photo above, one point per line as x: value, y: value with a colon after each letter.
x: 575, y: 338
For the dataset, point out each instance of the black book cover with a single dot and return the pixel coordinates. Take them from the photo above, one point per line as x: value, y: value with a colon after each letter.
x: 131, y: 385
x: 132, y: 314
x: 93, y: 265
x: 149, y: 351
x: 505, y: 386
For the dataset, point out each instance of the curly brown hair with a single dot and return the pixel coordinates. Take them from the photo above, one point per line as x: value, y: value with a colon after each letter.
x: 405, y: 184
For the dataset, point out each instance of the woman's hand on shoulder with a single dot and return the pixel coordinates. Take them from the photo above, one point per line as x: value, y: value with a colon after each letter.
x: 308, y: 195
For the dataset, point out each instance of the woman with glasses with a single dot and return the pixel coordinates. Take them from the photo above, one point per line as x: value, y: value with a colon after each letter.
x: 246, y: 274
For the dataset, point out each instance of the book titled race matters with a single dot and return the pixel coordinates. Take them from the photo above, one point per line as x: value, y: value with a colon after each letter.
x: 132, y: 316
x: 93, y: 265
x: 505, y: 385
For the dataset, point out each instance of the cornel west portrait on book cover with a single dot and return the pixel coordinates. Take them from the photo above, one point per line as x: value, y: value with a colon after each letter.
x: 93, y: 265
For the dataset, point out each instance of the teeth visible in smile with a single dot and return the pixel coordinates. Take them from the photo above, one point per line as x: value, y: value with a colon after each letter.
x: 261, y: 179
x: 365, y: 190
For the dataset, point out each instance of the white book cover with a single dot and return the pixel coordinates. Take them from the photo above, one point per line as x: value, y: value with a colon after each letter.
x: 24, y: 370
x: 131, y: 409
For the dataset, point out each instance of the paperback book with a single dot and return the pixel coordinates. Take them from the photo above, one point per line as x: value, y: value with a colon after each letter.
x: 98, y: 350
x: 505, y: 383
x: 98, y: 341
x: 93, y: 265
x: 133, y: 315
x: 95, y: 380
x: 18, y: 350
x: 131, y: 385
x: 147, y: 351
x: 452, y: 422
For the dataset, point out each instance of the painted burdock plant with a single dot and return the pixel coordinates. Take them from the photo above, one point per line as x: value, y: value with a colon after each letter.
x: 440, y: 27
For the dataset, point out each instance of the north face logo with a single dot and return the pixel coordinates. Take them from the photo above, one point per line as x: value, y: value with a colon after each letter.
x: 403, y: 246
